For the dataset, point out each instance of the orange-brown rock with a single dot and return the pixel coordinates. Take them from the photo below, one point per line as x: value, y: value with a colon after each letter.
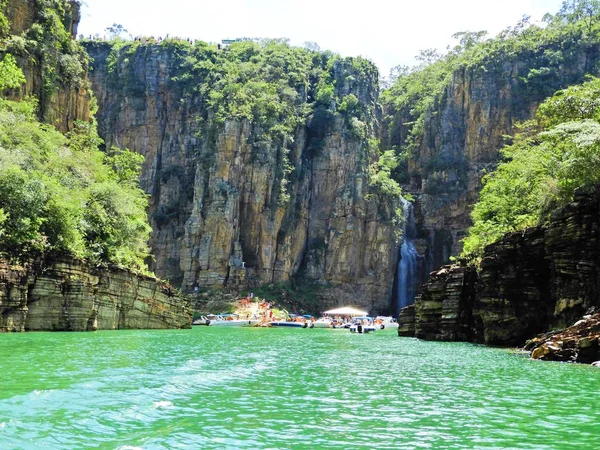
x: 577, y: 343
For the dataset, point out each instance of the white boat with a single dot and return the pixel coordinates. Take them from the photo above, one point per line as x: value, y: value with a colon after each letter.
x: 323, y: 322
x: 363, y: 325
x: 227, y: 320
x: 386, y: 323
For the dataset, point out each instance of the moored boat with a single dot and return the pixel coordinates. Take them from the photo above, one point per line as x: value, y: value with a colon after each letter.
x: 225, y: 320
x: 283, y: 323
x: 363, y: 325
x: 386, y: 323
x: 323, y: 322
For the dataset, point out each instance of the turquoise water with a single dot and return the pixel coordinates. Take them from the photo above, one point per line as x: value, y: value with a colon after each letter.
x: 285, y: 388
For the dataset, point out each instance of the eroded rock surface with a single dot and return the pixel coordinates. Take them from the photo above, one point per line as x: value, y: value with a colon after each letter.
x: 63, y: 294
x: 529, y: 282
x: 215, y: 210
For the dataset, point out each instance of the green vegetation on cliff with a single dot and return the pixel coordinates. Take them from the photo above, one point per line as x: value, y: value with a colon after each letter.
x: 47, y: 49
x: 552, y: 156
x: 10, y: 75
x: 60, y: 193
x: 542, y: 53
x: 276, y: 88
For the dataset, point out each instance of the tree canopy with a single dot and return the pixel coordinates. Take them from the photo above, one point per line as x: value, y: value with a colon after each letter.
x: 552, y: 156
x: 60, y: 193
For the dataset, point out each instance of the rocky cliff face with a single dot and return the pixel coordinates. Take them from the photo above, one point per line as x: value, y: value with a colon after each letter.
x: 62, y: 294
x: 528, y: 283
x: 578, y: 343
x: 55, y: 69
x: 216, y: 211
x: 465, y: 129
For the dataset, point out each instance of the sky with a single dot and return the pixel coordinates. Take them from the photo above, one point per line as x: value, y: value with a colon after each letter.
x: 388, y: 32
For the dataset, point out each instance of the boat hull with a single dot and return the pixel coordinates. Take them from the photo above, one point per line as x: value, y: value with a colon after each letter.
x: 288, y: 324
x: 233, y: 323
x: 361, y: 329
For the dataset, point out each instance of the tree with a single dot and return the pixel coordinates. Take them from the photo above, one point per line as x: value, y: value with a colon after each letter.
x: 585, y: 14
x: 428, y: 56
x: 468, y: 39
x: 312, y: 46
x: 395, y: 73
x: 117, y: 31
x: 575, y: 10
x: 11, y: 76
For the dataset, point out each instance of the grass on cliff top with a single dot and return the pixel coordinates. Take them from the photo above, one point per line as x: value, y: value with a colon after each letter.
x: 549, y: 159
x: 60, y: 193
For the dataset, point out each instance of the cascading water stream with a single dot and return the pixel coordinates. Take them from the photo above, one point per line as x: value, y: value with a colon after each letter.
x: 407, y: 266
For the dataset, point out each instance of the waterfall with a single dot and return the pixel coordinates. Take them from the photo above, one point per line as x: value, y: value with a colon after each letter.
x: 407, y: 265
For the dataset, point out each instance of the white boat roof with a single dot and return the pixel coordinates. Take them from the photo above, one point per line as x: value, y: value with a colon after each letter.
x: 347, y: 311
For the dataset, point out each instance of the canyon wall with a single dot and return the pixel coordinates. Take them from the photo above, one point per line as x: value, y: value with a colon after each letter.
x: 216, y: 211
x: 64, y: 294
x: 53, y: 62
x: 531, y: 282
x: 465, y: 130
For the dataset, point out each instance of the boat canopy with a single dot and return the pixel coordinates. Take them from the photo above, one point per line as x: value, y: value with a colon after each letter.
x: 346, y: 311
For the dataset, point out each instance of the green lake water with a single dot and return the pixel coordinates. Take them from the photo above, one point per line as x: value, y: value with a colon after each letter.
x: 285, y: 388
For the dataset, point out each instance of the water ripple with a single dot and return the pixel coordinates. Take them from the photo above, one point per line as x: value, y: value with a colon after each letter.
x: 251, y: 388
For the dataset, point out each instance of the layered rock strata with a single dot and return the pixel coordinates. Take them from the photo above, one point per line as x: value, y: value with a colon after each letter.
x: 63, y: 294
x: 465, y: 130
x: 406, y: 322
x: 215, y: 212
x: 528, y: 283
x: 578, y: 343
